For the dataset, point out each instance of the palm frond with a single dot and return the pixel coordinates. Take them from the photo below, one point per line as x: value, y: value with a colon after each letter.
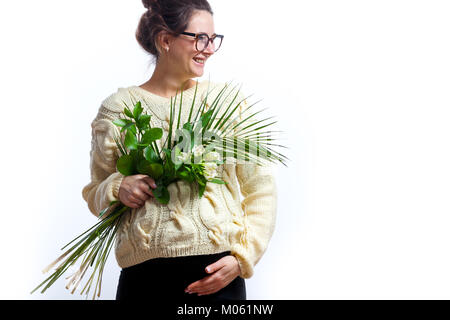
x: 258, y: 133
x: 236, y: 117
x: 224, y: 118
x: 120, y: 145
x: 219, y: 106
x: 204, y: 103
x: 251, y: 147
x: 179, y: 109
x: 215, y: 106
x: 193, y: 102
x: 169, y: 136
x: 226, y: 131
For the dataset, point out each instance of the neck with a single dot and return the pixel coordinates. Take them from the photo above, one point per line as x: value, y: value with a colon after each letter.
x: 166, y: 81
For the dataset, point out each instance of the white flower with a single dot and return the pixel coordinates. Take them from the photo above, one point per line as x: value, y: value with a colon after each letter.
x: 198, y: 150
x: 210, y: 170
x: 210, y: 166
x: 184, y: 157
x: 212, y: 156
x: 210, y: 175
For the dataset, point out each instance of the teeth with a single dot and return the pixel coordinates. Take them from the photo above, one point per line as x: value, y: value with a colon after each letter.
x: 199, y: 60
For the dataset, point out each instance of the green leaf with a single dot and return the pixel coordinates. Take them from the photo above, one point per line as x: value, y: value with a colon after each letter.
x: 130, y: 126
x: 125, y: 165
x: 201, y: 189
x: 168, y: 153
x: 206, y: 117
x: 137, y: 110
x: 177, y: 166
x: 218, y: 181
x: 151, y: 155
x: 143, y: 122
x: 161, y: 194
x: 137, y: 156
x: 120, y: 122
x: 188, y: 126
x: 152, y: 135
x: 182, y: 174
x: 169, y: 169
x: 185, y: 174
x: 154, y: 170
x: 131, y: 141
x: 127, y: 112
x: 143, y: 167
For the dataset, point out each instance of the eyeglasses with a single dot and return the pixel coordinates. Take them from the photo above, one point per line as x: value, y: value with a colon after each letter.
x: 202, y: 40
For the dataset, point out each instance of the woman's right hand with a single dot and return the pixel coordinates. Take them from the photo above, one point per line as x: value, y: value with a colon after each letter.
x: 135, y: 190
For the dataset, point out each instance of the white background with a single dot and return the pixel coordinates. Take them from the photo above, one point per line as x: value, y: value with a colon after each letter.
x: 360, y: 88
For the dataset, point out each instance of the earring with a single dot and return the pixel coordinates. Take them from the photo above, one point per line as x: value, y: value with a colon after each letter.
x: 167, y: 49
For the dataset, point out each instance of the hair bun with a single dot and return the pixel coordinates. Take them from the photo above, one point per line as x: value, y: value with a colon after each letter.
x: 148, y: 3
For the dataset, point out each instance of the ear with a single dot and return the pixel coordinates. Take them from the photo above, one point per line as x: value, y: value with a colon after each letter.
x: 163, y: 41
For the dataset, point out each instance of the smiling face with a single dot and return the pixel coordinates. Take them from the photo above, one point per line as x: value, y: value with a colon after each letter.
x: 182, y: 48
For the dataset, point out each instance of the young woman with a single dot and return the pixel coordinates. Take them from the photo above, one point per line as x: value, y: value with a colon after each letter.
x: 195, y: 249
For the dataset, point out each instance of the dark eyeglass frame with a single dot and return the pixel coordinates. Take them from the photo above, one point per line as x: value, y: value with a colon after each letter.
x: 210, y: 39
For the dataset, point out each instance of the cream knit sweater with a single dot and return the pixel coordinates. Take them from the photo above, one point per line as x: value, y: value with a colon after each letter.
x: 187, y: 225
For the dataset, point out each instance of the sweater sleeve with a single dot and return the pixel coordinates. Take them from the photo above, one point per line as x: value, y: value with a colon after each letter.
x: 258, y: 187
x: 105, y: 179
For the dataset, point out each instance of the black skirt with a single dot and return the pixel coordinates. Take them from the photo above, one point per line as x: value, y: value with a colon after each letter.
x: 166, y: 278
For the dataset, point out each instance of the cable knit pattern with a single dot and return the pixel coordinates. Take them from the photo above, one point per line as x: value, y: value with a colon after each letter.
x: 222, y: 220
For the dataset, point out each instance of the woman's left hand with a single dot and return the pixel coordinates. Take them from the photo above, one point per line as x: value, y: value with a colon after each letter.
x: 222, y: 272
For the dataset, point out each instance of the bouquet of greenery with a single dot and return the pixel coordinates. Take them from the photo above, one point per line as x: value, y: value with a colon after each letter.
x: 192, y: 154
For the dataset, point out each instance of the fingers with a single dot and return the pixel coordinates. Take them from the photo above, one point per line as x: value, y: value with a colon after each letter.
x: 135, y: 202
x: 204, y: 285
x: 139, y: 192
x: 139, y: 195
x: 209, y: 284
x: 215, y: 266
x: 133, y: 205
x: 209, y: 287
x: 150, y: 181
x: 145, y: 188
x: 135, y: 190
x: 222, y: 272
x: 145, y: 184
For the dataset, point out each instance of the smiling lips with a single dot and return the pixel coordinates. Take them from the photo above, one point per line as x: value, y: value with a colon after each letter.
x: 198, y: 60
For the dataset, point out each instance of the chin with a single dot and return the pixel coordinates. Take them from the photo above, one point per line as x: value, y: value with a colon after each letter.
x: 196, y: 74
x: 196, y: 71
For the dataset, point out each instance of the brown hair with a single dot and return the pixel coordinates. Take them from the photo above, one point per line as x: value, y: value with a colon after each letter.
x: 165, y: 15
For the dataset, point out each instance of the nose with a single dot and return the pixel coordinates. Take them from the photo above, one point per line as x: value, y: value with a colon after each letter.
x: 209, y: 48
